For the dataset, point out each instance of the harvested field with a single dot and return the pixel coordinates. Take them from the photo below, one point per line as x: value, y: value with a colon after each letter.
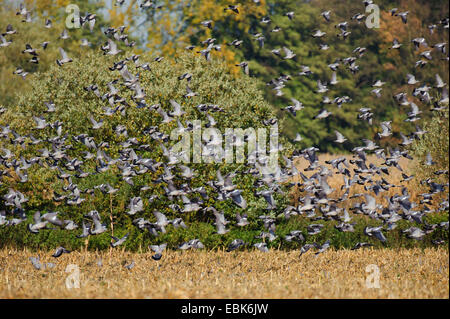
x: 404, y: 273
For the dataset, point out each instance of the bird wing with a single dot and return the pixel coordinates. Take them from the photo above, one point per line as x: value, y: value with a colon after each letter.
x: 414, y: 108
x: 175, y: 105
x: 339, y: 136
x: 370, y: 202
x: 63, y: 54
x: 333, y: 77
x: 297, y: 104
x: 429, y: 158
x: 37, y: 217
x: 379, y: 235
x: 91, y: 24
x: 162, y: 113
x: 160, y: 217
x: 288, y: 51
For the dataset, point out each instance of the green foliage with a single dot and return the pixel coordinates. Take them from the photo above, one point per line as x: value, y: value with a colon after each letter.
x: 243, y: 105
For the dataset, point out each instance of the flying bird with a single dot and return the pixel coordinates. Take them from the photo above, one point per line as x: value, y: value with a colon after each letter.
x: 64, y: 58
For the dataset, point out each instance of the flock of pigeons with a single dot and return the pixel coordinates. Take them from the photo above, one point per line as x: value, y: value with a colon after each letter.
x: 315, y: 205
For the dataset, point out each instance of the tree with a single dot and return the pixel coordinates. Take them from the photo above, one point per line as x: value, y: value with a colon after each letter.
x: 179, y: 23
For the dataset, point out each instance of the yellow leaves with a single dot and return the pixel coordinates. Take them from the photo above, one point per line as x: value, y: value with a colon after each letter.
x: 117, y: 18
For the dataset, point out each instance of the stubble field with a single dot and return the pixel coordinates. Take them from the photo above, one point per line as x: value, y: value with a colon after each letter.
x: 405, y: 273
